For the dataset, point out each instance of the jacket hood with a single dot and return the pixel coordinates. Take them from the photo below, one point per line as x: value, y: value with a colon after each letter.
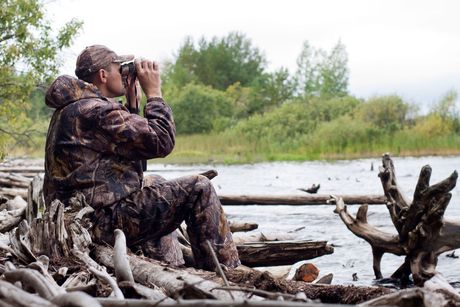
x: 67, y: 89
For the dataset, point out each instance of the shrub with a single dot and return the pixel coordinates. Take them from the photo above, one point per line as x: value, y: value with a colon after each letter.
x: 386, y: 112
x: 198, y: 107
x: 344, y: 133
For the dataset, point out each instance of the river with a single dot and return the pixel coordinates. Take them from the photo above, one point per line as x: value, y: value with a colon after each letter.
x: 351, y: 254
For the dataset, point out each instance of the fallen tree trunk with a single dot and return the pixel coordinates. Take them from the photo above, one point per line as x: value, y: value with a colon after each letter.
x: 177, y: 283
x: 332, y: 294
x: 272, y: 253
x: 422, y: 233
x: 300, y: 200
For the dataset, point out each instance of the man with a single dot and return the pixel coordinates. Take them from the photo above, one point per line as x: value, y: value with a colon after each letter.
x: 95, y: 146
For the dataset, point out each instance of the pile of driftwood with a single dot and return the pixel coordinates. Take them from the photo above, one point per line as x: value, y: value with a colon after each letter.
x: 48, y: 258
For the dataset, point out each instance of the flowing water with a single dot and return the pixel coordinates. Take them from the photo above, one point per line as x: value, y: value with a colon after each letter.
x: 351, y: 254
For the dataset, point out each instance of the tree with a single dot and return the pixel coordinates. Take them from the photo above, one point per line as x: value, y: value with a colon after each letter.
x: 278, y: 87
x: 307, y: 77
x: 334, y: 72
x: 322, y: 74
x: 218, y: 63
x: 29, y: 49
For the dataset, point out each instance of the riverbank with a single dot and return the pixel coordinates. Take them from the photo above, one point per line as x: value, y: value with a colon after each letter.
x: 230, y: 149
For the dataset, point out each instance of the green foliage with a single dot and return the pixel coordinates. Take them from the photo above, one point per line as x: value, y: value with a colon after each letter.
x: 386, y: 112
x: 322, y: 74
x: 334, y: 73
x: 218, y: 63
x: 337, y: 135
x: 447, y: 109
x: 321, y: 109
x: 432, y: 126
x: 29, y: 49
x: 199, y: 109
x: 280, y: 125
x: 307, y: 75
x: 292, y: 121
x: 273, y: 89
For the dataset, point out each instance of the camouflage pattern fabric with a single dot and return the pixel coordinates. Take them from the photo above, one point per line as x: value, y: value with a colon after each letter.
x: 157, y: 210
x: 95, y: 146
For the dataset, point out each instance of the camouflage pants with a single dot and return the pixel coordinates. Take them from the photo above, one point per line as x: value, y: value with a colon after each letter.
x: 153, y: 213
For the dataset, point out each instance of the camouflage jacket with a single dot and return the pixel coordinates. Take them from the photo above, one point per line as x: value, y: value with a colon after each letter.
x: 95, y: 145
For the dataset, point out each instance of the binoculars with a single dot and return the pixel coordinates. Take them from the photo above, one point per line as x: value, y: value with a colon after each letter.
x: 128, y: 68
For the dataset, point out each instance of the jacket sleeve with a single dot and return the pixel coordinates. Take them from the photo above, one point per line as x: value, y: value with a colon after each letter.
x: 135, y: 137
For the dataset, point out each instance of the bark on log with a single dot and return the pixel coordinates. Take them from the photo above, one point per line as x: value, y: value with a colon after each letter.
x: 240, y: 227
x: 336, y: 294
x: 423, y: 234
x: 273, y: 253
x: 176, y: 282
x: 35, y: 201
x: 301, y: 200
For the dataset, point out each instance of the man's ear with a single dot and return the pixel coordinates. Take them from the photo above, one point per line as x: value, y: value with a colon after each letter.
x: 102, y: 75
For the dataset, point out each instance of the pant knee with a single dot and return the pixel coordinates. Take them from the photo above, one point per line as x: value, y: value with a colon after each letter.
x: 202, y: 180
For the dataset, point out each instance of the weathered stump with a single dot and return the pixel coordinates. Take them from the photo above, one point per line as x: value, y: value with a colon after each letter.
x: 55, y: 234
x: 423, y: 233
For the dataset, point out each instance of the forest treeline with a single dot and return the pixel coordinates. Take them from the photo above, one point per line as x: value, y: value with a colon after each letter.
x: 229, y: 107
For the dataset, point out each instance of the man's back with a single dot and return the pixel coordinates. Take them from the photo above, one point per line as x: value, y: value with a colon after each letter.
x: 95, y: 145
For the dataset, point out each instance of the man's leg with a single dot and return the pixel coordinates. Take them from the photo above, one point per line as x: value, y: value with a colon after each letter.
x: 166, y: 248
x: 159, y: 209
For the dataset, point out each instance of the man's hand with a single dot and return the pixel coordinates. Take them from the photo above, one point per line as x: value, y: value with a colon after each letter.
x: 148, y: 74
x: 133, y: 94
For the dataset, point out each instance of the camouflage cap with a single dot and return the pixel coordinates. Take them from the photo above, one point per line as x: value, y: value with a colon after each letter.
x: 96, y: 57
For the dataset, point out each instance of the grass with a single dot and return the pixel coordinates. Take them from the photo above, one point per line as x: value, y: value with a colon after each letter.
x: 232, y: 149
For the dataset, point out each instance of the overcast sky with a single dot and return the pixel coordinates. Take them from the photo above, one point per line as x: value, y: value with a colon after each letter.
x: 405, y: 47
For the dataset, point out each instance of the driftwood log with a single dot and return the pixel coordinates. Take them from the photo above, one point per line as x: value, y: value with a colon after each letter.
x: 300, y: 200
x: 273, y: 253
x: 422, y: 231
x: 257, y: 249
x: 239, y: 227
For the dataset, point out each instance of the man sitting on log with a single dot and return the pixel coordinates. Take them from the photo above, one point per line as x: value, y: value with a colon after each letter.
x: 97, y: 146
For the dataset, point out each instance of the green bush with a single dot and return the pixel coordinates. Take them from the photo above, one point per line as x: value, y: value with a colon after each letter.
x: 386, y: 112
x: 321, y: 110
x: 198, y: 108
x: 284, y: 124
x: 344, y: 133
x: 433, y: 125
x: 294, y: 120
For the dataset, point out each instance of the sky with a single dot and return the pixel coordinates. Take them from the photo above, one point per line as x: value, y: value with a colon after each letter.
x: 406, y: 47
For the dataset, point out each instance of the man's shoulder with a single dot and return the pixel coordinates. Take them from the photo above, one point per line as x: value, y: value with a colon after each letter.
x: 97, y: 104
